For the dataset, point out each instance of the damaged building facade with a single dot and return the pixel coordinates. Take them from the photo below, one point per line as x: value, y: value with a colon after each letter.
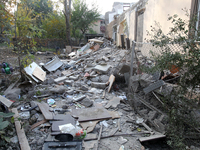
x: 135, y: 22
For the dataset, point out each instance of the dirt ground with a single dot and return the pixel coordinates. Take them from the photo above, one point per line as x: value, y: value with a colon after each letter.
x: 8, y: 55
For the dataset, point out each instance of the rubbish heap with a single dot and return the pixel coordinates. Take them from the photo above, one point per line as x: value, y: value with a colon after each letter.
x: 81, y: 101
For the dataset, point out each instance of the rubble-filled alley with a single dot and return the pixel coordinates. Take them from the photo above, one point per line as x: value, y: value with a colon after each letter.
x: 85, y: 99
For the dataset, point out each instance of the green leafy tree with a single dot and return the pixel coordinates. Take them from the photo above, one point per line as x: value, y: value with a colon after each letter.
x: 40, y: 9
x: 6, y: 17
x: 54, y: 26
x: 185, y: 57
x: 82, y: 18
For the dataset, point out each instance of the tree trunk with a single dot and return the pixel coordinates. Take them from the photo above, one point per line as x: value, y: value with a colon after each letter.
x: 67, y: 21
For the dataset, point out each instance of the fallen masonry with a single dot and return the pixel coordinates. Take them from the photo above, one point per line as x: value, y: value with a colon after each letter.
x: 83, y: 100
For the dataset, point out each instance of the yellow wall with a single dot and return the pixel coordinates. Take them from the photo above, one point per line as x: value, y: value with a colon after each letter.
x: 154, y: 10
x: 158, y: 10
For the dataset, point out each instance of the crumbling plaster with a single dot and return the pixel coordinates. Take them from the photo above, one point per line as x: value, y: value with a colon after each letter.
x: 141, y: 16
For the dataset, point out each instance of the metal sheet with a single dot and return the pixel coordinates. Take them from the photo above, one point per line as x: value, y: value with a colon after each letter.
x: 30, y: 69
x: 54, y: 64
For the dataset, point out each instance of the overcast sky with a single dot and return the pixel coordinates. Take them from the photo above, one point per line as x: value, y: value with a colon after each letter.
x: 106, y: 5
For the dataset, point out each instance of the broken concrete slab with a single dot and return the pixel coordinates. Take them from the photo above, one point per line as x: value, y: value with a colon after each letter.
x: 166, y: 89
x: 98, y: 85
x: 5, y: 101
x: 54, y: 64
x: 102, y: 68
x: 126, y: 68
x: 89, y: 144
x: 104, y: 78
x: 87, y: 102
x: 113, y: 102
x: 153, y: 86
x: 114, y: 114
x: 60, y: 79
x: 69, y: 82
x: 105, y: 58
x: 75, y: 78
x: 70, y: 92
x: 59, y: 89
x: 89, y: 126
x: 13, y: 94
x: 90, y: 114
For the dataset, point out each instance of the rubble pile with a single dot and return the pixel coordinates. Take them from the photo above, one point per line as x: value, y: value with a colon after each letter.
x: 83, y: 100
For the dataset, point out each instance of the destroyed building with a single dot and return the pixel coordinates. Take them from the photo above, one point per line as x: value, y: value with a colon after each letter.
x: 94, y: 96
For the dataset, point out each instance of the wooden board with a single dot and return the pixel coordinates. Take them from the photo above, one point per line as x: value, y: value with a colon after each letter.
x: 111, y: 80
x: 61, y: 119
x: 23, y: 142
x: 5, y: 101
x: 45, y: 111
x: 39, y: 73
x: 90, y: 114
x: 152, y: 137
x: 37, y: 124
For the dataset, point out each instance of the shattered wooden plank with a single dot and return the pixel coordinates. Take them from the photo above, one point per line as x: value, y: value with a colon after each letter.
x: 37, y: 124
x: 5, y: 101
x: 45, y: 111
x: 111, y: 80
x: 152, y: 137
x: 23, y: 142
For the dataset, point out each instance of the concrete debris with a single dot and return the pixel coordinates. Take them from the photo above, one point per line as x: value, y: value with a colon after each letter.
x: 5, y: 101
x: 90, y: 84
x: 98, y: 85
x: 102, y: 68
x: 54, y: 64
x: 58, y: 90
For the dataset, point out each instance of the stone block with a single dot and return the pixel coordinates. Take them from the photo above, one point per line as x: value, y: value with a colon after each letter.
x: 70, y: 92
x: 69, y: 82
x: 59, y: 90
x: 13, y: 94
x: 98, y: 85
x: 104, y: 78
x: 84, y: 88
x: 152, y: 115
x: 75, y: 78
x: 60, y: 79
x: 102, y: 68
